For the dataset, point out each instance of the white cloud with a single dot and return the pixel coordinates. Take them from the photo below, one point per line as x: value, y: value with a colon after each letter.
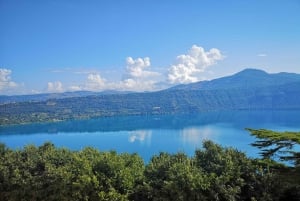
x: 5, y: 80
x: 75, y: 88
x: 74, y: 70
x: 138, y: 75
x: 137, y: 85
x: 137, y: 78
x: 190, y: 65
x: 85, y: 72
x: 57, y: 71
x: 262, y: 55
x: 95, y: 82
x: 136, y: 68
x: 55, y: 87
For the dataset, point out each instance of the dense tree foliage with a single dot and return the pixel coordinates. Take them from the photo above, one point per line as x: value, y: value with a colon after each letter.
x: 213, y: 173
x: 277, y: 144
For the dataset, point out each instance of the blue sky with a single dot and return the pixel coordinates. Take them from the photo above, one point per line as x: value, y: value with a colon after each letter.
x: 68, y: 45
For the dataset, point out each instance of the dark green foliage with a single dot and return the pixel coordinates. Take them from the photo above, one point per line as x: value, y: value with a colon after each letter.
x: 280, y: 145
x: 291, y: 194
x: 277, y: 144
x: 49, y: 173
x: 213, y: 173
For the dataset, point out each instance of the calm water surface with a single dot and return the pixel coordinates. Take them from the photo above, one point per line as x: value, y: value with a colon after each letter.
x: 148, y: 135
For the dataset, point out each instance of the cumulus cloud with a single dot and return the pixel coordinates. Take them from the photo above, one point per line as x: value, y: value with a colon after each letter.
x: 137, y: 77
x: 136, y: 67
x: 188, y: 66
x: 5, y: 80
x: 95, y: 82
x: 55, y: 87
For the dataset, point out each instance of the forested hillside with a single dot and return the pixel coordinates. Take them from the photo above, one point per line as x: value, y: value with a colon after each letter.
x: 269, y: 92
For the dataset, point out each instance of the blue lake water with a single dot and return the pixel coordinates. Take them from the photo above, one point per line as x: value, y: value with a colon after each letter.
x: 149, y: 135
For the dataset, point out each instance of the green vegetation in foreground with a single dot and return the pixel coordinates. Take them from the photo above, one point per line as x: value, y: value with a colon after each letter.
x: 277, y: 144
x: 213, y: 173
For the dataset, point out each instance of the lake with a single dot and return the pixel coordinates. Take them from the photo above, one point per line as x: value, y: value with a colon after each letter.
x: 149, y: 135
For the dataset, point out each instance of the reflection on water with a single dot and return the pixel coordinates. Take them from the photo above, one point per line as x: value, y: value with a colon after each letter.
x: 239, y: 119
x: 194, y: 136
x: 143, y: 136
x: 148, y: 135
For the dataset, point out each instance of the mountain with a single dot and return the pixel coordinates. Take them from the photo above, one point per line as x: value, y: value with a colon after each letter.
x: 249, y: 89
x: 248, y: 78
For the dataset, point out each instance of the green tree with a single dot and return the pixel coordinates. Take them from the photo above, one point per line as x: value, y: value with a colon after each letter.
x: 233, y: 175
x: 277, y: 144
x: 213, y: 173
x: 174, y: 177
x: 280, y: 145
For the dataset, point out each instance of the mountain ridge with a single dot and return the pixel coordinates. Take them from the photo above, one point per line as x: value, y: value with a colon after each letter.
x: 243, y: 78
x: 226, y: 82
x: 246, y: 90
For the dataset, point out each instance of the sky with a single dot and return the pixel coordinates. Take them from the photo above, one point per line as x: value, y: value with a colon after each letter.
x: 141, y: 45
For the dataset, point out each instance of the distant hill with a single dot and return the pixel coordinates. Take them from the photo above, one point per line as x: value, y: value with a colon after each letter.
x: 249, y: 89
x: 248, y: 78
x: 47, y: 96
